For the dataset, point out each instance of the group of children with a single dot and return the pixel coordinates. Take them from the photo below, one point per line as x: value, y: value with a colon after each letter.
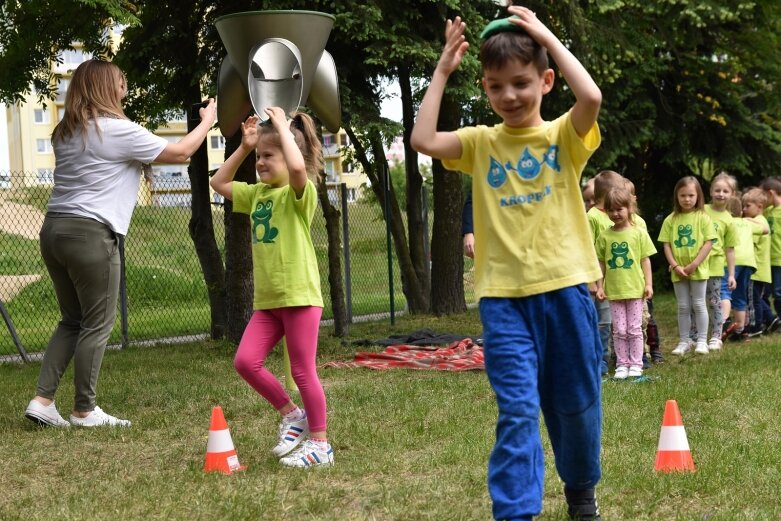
x: 723, y: 257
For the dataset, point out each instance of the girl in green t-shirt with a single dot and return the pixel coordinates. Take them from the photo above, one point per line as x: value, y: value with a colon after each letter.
x: 624, y: 251
x: 687, y: 234
x: 287, y: 300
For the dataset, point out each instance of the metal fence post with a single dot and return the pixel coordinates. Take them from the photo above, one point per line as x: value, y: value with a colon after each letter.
x: 389, y: 244
x: 346, y: 252
x: 12, y: 330
x: 426, y: 237
x: 123, y: 294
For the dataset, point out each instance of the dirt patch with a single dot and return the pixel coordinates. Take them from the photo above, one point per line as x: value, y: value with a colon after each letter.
x: 12, y: 285
x: 20, y: 219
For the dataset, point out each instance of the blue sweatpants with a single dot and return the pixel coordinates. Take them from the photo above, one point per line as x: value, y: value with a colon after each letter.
x: 542, y: 352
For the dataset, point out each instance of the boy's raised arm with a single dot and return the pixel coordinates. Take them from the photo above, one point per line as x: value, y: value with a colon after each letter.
x: 425, y: 138
x: 588, y: 97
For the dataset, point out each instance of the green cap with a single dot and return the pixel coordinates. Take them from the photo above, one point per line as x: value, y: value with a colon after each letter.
x: 501, y: 25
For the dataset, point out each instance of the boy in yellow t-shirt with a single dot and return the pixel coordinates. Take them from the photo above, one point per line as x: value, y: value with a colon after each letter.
x: 753, y: 204
x: 772, y: 188
x: 541, y: 342
x: 746, y: 233
x: 598, y: 221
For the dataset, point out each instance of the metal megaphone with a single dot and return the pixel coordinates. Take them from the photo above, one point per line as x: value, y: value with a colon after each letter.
x: 276, y: 58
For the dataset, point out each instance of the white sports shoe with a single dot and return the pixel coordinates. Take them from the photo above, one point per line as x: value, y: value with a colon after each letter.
x: 45, y: 415
x: 635, y: 371
x: 701, y: 349
x: 714, y: 344
x: 98, y: 418
x: 309, y: 454
x: 681, y: 348
x: 291, y: 434
x: 621, y: 373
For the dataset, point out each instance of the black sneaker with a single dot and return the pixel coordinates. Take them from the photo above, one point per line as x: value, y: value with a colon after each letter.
x: 738, y: 337
x: 753, y: 332
x: 775, y: 325
x: 582, y: 505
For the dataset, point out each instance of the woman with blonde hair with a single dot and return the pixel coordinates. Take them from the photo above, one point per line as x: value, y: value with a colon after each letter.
x: 98, y: 153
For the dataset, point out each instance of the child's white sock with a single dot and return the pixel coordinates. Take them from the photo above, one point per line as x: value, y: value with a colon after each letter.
x: 295, y: 415
x: 321, y: 443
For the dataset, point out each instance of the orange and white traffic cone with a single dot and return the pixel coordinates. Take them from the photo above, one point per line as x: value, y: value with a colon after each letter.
x: 673, y: 454
x: 220, y: 453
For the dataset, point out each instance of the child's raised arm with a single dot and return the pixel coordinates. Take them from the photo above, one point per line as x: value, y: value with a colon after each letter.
x: 425, y: 138
x: 223, y: 178
x: 294, y: 159
x: 588, y: 97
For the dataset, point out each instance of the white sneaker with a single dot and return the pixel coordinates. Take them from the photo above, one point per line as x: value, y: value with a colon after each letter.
x: 701, y: 349
x: 621, y: 373
x: 291, y: 434
x: 98, y: 418
x: 635, y: 371
x: 714, y: 344
x: 45, y: 415
x: 309, y: 454
x: 681, y: 348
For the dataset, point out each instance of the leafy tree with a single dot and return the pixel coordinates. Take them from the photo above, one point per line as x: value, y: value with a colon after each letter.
x: 33, y: 32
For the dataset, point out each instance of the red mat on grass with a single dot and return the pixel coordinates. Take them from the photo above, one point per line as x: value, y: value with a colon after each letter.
x: 463, y: 355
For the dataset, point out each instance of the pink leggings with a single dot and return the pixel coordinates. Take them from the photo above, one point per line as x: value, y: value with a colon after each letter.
x: 299, y: 326
x: 628, y: 331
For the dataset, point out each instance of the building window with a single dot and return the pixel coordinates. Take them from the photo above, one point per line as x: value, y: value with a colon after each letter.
x: 62, y: 88
x: 330, y: 172
x: 343, y: 140
x: 328, y: 140
x: 218, y: 142
x: 347, y: 167
x: 351, y: 195
x: 44, y: 146
x: 45, y: 176
x: 41, y: 116
x: 60, y: 113
x: 71, y: 58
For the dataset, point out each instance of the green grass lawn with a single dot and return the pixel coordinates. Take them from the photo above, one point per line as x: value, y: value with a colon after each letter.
x: 409, y: 445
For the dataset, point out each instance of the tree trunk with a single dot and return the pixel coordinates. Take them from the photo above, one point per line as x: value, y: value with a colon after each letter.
x: 335, y: 279
x: 238, y: 253
x: 417, y: 300
x: 447, y: 256
x: 201, y: 228
x: 415, y: 221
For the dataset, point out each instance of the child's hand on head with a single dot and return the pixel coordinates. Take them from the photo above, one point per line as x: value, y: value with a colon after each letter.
x: 278, y: 117
x: 249, y: 132
x: 455, y: 46
x: 528, y: 21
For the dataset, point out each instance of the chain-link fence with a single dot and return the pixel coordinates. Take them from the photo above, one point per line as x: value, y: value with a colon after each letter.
x: 165, y: 291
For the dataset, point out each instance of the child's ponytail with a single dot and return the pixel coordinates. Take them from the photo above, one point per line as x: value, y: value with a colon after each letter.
x: 303, y: 127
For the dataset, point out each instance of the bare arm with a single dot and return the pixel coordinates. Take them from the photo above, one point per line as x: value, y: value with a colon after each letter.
x: 674, y: 266
x: 649, y: 284
x: 182, y: 150
x: 730, y: 254
x: 425, y: 138
x: 222, y: 182
x: 704, y: 251
x: 469, y: 245
x: 600, y: 293
x: 296, y: 166
x: 588, y: 97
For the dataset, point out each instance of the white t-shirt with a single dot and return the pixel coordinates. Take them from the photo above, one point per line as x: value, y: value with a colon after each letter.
x: 100, y: 180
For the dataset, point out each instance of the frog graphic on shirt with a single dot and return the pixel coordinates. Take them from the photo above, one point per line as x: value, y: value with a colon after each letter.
x: 620, y: 258
x: 262, y: 217
x: 685, y: 239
